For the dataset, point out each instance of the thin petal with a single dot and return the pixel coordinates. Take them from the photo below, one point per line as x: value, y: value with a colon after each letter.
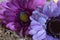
x: 9, y: 6
x: 2, y: 9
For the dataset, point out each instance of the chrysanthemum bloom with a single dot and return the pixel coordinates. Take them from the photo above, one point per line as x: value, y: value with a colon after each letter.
x: 46, y: 25
x: 15, y: 14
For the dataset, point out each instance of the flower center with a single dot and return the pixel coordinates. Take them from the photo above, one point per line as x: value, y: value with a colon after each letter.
x: 23, y: 17
x: 53, y: 26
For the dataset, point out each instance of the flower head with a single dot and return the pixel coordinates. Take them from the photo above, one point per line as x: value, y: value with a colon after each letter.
x: 45, y: 25
x: 15, y: 14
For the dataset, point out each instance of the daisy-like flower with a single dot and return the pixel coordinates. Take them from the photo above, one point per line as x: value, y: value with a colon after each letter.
x: 15, y: 14
x: 46, y: 25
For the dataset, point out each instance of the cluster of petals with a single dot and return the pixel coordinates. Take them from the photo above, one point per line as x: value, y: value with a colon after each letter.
x: 11, y: 11
x: 28, y: 17
x: 39, y: 19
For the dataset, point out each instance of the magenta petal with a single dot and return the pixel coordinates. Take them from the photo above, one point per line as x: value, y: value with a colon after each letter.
x: 30, y: 4
x: 9, y: 13
x: 2, y: 17
x: 27, y: 32
x: 15, y: 2
x: 2, y: 9
x: 34, y: 3
x: 2, y: 12
x: 9, y: 6
x: 10, y: 19
x: 11, y: 26
x: 4, y: 4
x: 21, y: 33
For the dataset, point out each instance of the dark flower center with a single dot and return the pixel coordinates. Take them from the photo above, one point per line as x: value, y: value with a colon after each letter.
x: 53, y: 26
x: 23, y: 17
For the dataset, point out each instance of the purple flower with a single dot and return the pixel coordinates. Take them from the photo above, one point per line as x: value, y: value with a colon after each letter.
x: 37, y: 26
x: 46, y: 25
x: 15, y: 14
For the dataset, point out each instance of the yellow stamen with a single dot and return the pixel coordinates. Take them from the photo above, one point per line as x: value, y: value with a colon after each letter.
x: 24, y: 17
x: 55, y: 1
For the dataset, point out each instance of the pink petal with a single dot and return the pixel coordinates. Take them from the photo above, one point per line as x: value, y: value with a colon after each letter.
x: 34, y: 3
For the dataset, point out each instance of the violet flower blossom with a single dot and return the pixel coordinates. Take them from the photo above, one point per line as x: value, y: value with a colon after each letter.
x: 46, y: 25
x: 15, y: 14
x: 37, y: 26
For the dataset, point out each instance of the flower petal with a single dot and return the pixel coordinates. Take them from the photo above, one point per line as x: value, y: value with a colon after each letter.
x: 21, y: 33
x: 2, y: 17
x: 10, y: 19
x: 9, y: 6
x: 9, y: 13
x: 32, y: 32
x: 34, y: 3
x: 11, y: 26
x: 2, y: 9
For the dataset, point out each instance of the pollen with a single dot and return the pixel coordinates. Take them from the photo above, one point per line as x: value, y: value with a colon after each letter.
x: 23, y: 17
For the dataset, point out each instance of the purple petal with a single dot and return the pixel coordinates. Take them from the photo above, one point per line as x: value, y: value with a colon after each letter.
x: 43, y: 36
x: 34, y: 3
x: 2, y: 9
x: 9, y: 13
x: 10, y: 19
x: 30, y: 4
x: 51, y: 38
x: 32, y: 32
x: 9, y: 6
x: 11, y: 26
x: 21, y: 33
x: 2, y: 17
x: 34, y: 37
